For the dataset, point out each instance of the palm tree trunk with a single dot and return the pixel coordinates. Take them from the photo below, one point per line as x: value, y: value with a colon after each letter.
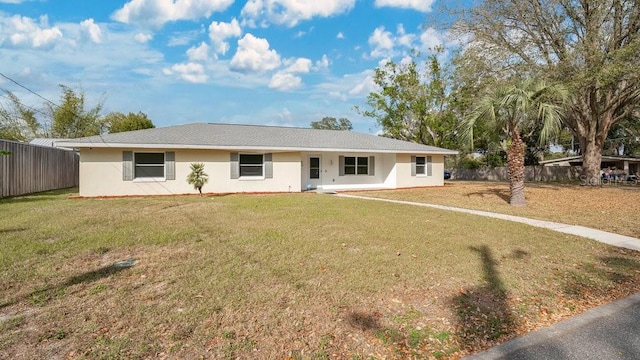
x: 515, y: 166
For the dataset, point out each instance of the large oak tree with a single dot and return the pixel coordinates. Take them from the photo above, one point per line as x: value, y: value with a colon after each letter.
x: 592, y: 46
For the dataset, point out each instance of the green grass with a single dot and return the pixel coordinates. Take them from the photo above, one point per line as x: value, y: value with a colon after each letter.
x: 271, y: 276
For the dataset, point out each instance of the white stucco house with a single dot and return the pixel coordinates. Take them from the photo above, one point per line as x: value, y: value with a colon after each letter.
x: 249, y: 158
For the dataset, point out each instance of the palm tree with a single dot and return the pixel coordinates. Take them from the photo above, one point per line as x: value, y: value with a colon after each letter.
x: 513, y: 109
x: 197, y: 177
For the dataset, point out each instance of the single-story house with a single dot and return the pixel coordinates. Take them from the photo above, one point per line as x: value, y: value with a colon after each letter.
x: 629, y: 165
x: 249, y: 158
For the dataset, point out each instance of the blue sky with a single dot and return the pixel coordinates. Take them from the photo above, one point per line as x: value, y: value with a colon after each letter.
x: 271, y: 62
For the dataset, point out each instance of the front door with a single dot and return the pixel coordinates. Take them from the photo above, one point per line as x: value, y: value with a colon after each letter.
x: 315, y: 171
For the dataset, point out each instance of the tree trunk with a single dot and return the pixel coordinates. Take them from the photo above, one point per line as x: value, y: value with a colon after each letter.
x: 515, y: 168
x: 591, y: 158
x: 593, y: 128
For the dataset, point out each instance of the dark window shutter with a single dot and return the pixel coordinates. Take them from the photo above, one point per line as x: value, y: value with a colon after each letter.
x: 429, y: 170
x: 235, y: 165
x: 340, y: 165
x: 413, y: 166
x: 170, y: 165
x: 268, y: 166
x: 372, y: 165
x: 127, y: 165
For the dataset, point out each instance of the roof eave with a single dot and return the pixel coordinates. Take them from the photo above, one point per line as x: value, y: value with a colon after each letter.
x: 84, y: 145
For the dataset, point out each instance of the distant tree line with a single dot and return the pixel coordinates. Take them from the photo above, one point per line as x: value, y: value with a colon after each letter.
x: 331, y: 123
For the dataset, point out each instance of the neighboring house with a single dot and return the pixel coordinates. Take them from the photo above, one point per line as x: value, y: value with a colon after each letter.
x: 247, y: 158
x: 629, y: 165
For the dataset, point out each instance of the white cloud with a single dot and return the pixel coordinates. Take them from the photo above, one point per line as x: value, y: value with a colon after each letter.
x: 284, y: 81
x: 219, y: 32
x: 322, y: 64
x: 366, y: 86
x: 431, y: 39
x: 351, y: 88
x: 156, y: 13
x: 143, y: 38
x: 93, y: 30
x: 340, y: 35
x: 382, y: 43
x: 20, y: 31
x: 191, y: 72
x: 386, y: 45
x: 420, y: 5
x: 200, y: 53
x: 254, y: 55
x: 182, y: 38
x: 285, y: 115
x: 299, y: 65
x: 291, y: 12
x: 404, y: 39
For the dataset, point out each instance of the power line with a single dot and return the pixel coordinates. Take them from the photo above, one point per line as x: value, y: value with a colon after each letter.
x: 29, y: 90
x: 27, y: 106
x: 45, y: 99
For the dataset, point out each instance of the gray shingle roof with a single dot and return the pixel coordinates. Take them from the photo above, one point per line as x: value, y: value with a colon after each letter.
x: 252, y: 137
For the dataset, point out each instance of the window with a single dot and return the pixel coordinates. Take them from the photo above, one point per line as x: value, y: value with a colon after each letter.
x: 421, y: 162
x: 421, y: 165
x: 314, y: 168
x: 251, y: 164
x: 356, y: 165
x: 148, y: 165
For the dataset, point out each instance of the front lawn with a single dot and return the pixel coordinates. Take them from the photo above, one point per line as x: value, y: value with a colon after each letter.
x: 609, y: 208
x: 283, y: 276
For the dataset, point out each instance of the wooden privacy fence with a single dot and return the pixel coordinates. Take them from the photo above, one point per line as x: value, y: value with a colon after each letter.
x: 30, y: 169
x: 531, y: 173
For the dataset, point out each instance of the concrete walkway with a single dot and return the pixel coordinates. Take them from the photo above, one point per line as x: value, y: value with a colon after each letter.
x: 622, y: 241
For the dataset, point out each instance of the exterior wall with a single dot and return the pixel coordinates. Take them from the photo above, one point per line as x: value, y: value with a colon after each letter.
x: 403, y: 172
x: 101, y: 174
x: 330, y: 178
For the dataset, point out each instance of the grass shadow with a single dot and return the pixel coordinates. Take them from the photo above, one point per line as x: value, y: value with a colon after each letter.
x: 502, y: 194
x: 12, y: 230
x: 483, y: 312
x: 40, y: 196
x: 44, y: 295
x: 602, y: 278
